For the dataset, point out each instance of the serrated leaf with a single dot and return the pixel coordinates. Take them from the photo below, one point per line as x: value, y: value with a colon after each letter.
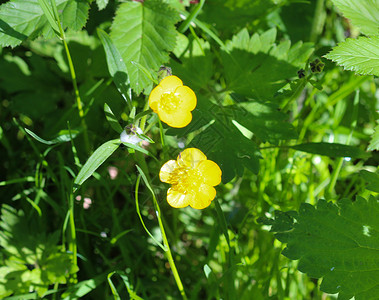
x: 144, y: 33
x: 116, y: 65
x: 22, y: 19
x: 64, y: 136
x: 256, y: 67
x: 339, y: 243
x: 362, y: 13
x: 360, y: 55
x: 331, y: 150
x: 95, y: 161
x: 374, y: 143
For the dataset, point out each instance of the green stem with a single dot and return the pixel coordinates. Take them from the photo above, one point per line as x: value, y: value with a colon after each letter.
x: 75, y: 85
x: 337, y: 170
x: 169, y: 256
x: 318, y: 21
x: 72, y: 240
x: 166, y: 246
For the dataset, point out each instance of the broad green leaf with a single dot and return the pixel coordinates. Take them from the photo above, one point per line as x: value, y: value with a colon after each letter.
x: 231, y: 15
x: 112, y: 119
x: 372, y: 179
x: 220, y: 139
x: 331, y: 150
x: 374, y: 143
x: 360, y: 55
x: 116, y: 65
x: 64, y: 136
x: 95, y: 160
x: 255, y: 66
x: 22, y: 19
x: 265, y: 121
x: 362, y: 13
x: 197, y: 59
x: 144, y: 33
x: 339, y: 242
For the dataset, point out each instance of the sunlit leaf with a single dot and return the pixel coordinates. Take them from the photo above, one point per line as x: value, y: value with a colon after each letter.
x: 360, y: 55
x: 64, y: 136
x: 362, y: 13
x: 332, y: 150
x: 374, y: 143
x: 255, y: 66
x: 144, y: 32
x: 22, y: 19
x: 338, y: 242
x: 95, y: 161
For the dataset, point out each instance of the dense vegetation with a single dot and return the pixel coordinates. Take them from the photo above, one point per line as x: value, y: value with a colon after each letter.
x: 286, y: 107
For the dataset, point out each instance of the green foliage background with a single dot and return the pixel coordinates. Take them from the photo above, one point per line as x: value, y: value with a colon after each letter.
x: 287, y: 107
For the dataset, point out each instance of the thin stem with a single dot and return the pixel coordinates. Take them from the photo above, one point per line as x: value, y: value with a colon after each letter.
x: 75, y: 85
x: 169, y: 256
x: 166, y: 246
x: 337, y: 170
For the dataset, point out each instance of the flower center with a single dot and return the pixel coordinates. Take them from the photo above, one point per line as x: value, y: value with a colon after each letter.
x: 185, y: 180
x: 169, y: 102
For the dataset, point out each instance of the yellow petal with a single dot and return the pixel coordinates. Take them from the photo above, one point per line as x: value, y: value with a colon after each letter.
x: 203, y: 197
x: 166, y: 170
x: 210, y: 172
x: 170, y: 83
x: 177, y: 119
x: 155, y: 97
x: 187, y: 97
x: 178, y: 199
x: 191, y: 157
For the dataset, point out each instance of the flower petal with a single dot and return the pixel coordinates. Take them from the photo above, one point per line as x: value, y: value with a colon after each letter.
x: 203, y: 197
x: 187, y: 97
x: 170, y: 83
x: 191, y: 157
x: 210, y: 172
x: 166, y: 170
x: 155, y: 97
x: 178, y: 199
x: 178, y: 119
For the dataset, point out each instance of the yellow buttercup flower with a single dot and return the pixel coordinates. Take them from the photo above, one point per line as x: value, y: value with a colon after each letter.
x: 173, y: 102
x: 193, y: 178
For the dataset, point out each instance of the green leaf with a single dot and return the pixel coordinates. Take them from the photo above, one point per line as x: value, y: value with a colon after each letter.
x: 22, y: 19
x: 125, y: 279
x: 372, y: 179
x: 112, y: 119
x: 360, y: 55
x: 116, y: 65
x: 374, y: 143
x: 95, y: 161
x: 64, y: 136
x: 265, y: 121
x: 144, y: 33
x: 331, y: 150
x: 255, y: 66
x: 101, y: 4
x: 83, y: 287
x: 197, y: 59
x: 339, y: 243
x: 362, y: 13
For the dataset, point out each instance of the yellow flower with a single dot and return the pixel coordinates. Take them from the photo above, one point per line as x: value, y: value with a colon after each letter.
x: 193, y: 178
x: 173, y: 102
